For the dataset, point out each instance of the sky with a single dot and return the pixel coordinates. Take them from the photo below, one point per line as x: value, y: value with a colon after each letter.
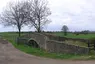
x: 78, y: 15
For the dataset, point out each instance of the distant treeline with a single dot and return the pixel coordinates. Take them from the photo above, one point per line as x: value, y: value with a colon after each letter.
x: 75, y: 32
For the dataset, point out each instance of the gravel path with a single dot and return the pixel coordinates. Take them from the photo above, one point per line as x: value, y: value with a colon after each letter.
x: 10, y: 55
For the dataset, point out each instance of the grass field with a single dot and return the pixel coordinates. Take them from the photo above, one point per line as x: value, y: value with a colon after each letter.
x: 71, y: 35
x: 11, y: 37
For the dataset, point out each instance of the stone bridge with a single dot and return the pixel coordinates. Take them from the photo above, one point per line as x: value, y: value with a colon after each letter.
x: 51, y: 43
x: 38, y: 39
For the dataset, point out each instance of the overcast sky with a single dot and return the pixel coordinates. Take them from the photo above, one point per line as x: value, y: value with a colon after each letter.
x: 76, y: 14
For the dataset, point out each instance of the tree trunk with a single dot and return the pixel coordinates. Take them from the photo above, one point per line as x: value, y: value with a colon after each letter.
x: 65, y: 33
x: 39, y: 30
x: 19, y: 32
x: 39, y: 25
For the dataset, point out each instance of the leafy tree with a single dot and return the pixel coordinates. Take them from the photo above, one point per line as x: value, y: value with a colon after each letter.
x: 65, y: 29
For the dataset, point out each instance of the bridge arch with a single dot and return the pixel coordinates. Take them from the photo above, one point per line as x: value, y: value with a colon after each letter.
x: 38, y: 38
x: 32, y: 42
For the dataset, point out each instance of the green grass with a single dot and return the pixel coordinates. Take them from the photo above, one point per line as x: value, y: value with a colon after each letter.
x: 11, y: 37
x: 71, y: 35
x: 42, y: 53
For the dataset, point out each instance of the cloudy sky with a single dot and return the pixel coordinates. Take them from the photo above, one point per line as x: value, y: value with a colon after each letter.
x: 76, y: 14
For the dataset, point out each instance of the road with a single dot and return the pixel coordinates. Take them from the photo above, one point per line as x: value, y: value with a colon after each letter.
x: 11, y: 55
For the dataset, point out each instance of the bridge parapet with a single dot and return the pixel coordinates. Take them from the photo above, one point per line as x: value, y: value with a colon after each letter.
x: 39, y: 38
x: 53, y: 44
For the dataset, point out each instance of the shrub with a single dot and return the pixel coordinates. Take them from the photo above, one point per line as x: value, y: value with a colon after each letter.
x: 92, y: 40
x: 76, y: 33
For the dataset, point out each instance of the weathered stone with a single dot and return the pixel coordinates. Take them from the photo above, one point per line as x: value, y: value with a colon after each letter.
x: 47, y: 43
x: 59, y: 47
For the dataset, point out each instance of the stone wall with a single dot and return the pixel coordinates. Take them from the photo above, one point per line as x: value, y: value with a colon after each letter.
x: 54, y: 37
x: 21, y: 40
x: 53, y: 43
x: 59, y: 47
x: 59, y: 38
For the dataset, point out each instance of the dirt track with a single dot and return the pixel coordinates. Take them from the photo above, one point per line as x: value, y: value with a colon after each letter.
x: 10, y: 55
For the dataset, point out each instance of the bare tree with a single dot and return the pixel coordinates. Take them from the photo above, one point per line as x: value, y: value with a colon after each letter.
x: 39, y: 13
x: 14, y: 15
x: 65, y: 29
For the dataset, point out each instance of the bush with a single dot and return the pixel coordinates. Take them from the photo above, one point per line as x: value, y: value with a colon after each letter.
x: 92, y: 40
x: 76, y: 33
